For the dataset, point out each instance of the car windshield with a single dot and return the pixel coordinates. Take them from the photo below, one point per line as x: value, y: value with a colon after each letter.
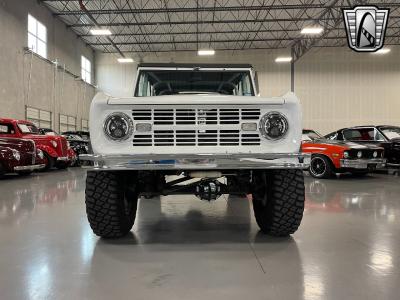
x: 174, y: 82
x: 391, y: 132
x: 28, y: 128
x: 73, y: 137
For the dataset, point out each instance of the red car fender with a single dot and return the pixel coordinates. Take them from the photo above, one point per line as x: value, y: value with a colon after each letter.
x: 47, y: 149
x: 333, y: 152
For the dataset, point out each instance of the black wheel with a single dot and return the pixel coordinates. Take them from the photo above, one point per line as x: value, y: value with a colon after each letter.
x: 49, y: 162
x: 24, y: 173
x: 2, y: 171
x: 62, y: 165
x: 359, y: 173
x: 111, y: 202
x: 278, y: 200
x: 320, y: 167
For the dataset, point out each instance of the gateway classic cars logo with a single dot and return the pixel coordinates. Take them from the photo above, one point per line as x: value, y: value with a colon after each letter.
x: 365, y: 27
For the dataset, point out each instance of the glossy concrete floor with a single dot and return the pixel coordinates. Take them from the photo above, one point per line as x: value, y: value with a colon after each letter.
x: 348, y: 246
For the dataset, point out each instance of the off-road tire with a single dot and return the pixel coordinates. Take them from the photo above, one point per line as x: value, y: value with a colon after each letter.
x: 327, y: 167
x: 278, y: 200
x: 111, y: 203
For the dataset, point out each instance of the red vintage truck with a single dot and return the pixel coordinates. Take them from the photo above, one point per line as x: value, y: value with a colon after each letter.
x: 56, y: 150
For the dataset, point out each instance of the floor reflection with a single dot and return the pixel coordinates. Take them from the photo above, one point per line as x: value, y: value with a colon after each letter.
x: 355, y: 195
x: 20, y: 195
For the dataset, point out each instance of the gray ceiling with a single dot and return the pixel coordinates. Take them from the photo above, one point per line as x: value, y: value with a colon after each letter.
x: 182, y: 25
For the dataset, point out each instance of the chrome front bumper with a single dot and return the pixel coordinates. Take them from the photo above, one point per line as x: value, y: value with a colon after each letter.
x: 198, y: 161
x: 375, y: 163
x: 29, y: 168
x: 62, y: 158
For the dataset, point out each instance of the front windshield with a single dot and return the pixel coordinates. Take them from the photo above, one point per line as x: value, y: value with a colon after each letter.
x: 28, y: 128
x: 391, y: 132
x: 174, y: 82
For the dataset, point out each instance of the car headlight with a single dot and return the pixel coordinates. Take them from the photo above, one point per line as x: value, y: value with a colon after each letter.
x: 16, y: 154
x: 274, y: 126
x: 40, y: 154
x: 359, y: 154
x: 346, y: 154
x: 54, y: 144
x: 118, y: 126
x: 375, y: 154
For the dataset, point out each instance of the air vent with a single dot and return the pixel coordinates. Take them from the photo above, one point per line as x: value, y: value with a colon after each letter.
x: 163, y: 117
x: 141, y: 115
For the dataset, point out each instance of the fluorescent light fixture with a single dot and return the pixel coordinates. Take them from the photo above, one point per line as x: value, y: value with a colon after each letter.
x: 100, y: 31
x: 125, y: 60
x: 206, y: 52
x: 382, y: 51
x: 312, y: 30
x: 283, y: 59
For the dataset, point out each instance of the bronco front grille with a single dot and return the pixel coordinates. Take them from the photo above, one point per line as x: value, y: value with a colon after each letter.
x: 196, y: 116
x: 196, y: 127
x: 196, y: 138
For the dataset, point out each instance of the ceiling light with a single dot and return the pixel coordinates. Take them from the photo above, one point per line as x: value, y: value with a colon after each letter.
x: 125, y: 60
x: 312, y: 30
x: 206, y: 52
x: 382, y: 51
x: 99, y: 31
x: 283, y: 59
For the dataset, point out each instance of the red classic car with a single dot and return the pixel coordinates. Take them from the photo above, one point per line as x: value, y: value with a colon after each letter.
x: 329, y: 157
x: 56, y: 151
x: 19, y: 156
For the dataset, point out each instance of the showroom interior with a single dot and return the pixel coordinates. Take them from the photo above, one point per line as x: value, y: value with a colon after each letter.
x: 68, y: 66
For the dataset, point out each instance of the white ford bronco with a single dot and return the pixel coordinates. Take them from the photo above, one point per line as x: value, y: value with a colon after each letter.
x: 206, y: 125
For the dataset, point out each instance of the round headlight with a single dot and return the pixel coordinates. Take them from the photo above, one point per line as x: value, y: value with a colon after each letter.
x: 54, y: 144
x: 346, y: 154
x: 16, y: 154
x: 359, y: 154
x: 118, y: 126
x: 273, y: 126
x: 375, y: 154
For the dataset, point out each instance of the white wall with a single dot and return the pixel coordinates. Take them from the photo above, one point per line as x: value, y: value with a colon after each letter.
x: 337, y: 87
x: 26, y: 79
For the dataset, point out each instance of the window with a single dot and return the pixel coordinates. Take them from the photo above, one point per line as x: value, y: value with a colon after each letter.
x: 39, y: 117
x: 391, y: 132
x: 363, y: 134
x: 67, y: 123
x: 28, y: 128
x: 163, y: 82
x: 6, y: 129
x: 85, y: 125
x: 86, y: 70
x: 37, y: 37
